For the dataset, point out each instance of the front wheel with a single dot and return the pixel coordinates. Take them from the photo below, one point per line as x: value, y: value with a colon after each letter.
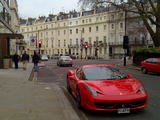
x: 68, y: 86
x: 78, y: 98
x: 144, y: 70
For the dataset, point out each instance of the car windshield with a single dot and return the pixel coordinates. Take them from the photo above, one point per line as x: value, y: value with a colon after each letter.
x: 102, y: 73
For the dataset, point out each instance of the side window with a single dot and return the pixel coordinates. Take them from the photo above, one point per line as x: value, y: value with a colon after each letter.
x: 149, y: 60
x: 154, y: 61
x: 83, y: 76
x: 78, y: 73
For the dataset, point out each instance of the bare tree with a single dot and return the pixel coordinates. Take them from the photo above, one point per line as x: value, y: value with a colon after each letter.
x: 148, y: 10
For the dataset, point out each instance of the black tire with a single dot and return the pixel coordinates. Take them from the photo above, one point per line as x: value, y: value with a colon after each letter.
x: 78, y: 98
x: 144, y: 70
x: 71, y: 65
x: 68, y: 86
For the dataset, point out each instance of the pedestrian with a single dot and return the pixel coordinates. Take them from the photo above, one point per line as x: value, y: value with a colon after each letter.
x: 35, y: 60
x: 25, y: 59
x: 16, y: 59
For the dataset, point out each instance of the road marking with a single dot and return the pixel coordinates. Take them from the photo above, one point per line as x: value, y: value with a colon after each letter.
x: 81, y: 112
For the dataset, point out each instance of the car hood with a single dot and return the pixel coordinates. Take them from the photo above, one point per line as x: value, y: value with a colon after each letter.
x: 115, y: 87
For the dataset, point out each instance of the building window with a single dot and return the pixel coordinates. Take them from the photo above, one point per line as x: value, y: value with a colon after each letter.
x: 58, y: 43
x: 64, y: 32
x: 52, y: 32
x: 62, y: 51
x: 64, y: 43
x: 100, y: 50
x: 90, y: 29
x: 100, y: 18
x: 77, y: 41
x: 82, y: 30
x: 52, y: 25
x: 46, y: 26
x: 86, y: 20
x: 64, y: 24
x: 70, y: 41
x: 97, y: 18
x: 76, y: 22
x: 82, y: 21
x: 104, y: 39
x: 70, y: 23
x: 112, y: 17
x: 105, y: 27
x: 96, y: 28
x: 58, y: 32
x: 105, y: 17
x: 41, y: 34
x: 105, y: 50
x: 53, y: 43
x: 70, y: 31
x: 121, y: 25
x: 112, y: 26
x: 90, y: 40
x: 77, y: 31
x: 97, y: 38
x: 90, y: 20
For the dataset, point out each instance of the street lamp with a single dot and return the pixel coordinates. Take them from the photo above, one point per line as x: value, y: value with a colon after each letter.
x: 81, y: 43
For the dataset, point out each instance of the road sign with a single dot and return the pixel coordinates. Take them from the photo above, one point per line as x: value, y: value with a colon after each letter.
x: 81, y: 41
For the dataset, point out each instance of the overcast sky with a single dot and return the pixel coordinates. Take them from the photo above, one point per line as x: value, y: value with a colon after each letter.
x: 35, y: 8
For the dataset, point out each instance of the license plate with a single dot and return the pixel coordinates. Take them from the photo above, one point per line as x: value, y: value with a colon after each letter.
x: 123, y: 110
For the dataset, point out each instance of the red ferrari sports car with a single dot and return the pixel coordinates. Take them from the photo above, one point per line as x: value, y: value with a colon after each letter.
x: 105, y: 88
x: 150, y: 65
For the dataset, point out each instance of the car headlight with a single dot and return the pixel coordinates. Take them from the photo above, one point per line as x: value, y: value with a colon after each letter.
x: 141, y: 90
x: 93, y: 92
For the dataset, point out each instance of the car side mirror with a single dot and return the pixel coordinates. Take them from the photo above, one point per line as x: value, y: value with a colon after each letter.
x: 71, y: 73
x: 129, y: 76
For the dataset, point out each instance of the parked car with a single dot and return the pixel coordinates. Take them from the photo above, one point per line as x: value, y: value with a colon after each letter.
x: 64, y: 61
x: 150, y: 65
x: 55, y: 56
x: 105, y: 88
x: 44, y: 58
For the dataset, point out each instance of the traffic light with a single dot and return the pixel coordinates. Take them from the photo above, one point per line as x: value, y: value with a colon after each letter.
x: 125, y: 42
x: 86, y: 46
x: 40, y: 44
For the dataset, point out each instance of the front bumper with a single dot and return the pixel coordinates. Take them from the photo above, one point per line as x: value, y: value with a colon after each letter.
x: 113, y: 103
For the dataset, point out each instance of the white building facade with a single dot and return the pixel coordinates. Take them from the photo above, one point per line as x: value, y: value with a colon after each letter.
x: 69, y: 33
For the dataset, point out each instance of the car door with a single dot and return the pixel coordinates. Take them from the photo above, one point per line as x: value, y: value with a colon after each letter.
x: 155, y: 65
x: 148, y: 64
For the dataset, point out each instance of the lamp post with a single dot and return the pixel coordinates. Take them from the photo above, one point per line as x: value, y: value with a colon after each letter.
x: 125, y: 40
x: 81, y: 43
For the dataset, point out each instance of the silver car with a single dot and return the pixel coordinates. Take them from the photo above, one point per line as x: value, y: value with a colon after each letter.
x: 64, y: 61
x: 44, y: 58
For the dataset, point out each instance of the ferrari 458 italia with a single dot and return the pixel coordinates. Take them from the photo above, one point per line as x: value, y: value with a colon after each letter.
x: 105, y: 88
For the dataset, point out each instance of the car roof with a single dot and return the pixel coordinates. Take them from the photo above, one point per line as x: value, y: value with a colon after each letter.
x: 153, y: 58
x: 99, y: 65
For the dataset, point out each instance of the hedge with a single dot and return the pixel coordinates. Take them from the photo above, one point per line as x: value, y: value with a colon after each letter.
x: 144, y: 53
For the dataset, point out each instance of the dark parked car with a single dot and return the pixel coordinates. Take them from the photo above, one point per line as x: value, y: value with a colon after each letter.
x: 150, y: 65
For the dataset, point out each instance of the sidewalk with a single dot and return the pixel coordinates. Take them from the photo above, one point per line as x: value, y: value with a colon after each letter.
x: 21, y: 99
x: 129, y: 65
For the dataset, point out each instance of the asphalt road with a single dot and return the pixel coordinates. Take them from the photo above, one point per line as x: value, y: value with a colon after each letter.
x: 52, y: 73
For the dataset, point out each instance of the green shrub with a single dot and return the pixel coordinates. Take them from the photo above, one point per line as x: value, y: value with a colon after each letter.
x: 141, y: 54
